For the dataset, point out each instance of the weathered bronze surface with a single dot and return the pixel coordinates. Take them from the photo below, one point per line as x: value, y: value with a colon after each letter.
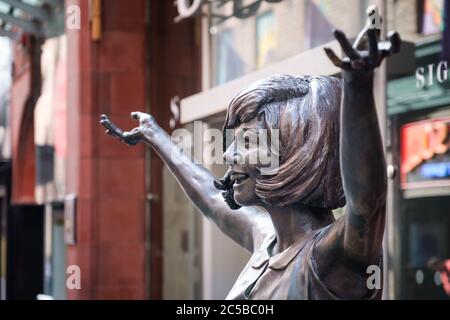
x: 330, y: 154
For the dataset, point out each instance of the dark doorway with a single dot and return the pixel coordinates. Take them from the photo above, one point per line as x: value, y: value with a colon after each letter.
x: 25, y: 258
x: 5, y: 187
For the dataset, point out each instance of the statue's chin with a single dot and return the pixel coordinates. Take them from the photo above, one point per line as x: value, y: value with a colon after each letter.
x: 244, y: 199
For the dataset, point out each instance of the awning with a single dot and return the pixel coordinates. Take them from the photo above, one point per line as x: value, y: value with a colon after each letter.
x: 404, y: 96
x: 41, y: 18
x: 215, y: 100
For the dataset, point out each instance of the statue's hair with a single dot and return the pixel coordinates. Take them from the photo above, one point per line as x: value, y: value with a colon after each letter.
x: 305, y: 109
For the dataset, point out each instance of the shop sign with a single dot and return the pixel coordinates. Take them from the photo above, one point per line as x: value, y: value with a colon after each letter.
x: 424, y: 154
x: 241, y: 9
x: 432, y: 74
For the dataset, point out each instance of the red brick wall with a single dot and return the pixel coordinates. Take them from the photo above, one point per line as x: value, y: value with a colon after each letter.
x: 24, y: 93
x: 107, y: 76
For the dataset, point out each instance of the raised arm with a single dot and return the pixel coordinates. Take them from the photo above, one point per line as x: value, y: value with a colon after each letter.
x: 354, y: 242
x: 363, y: 167
x: 246, y: 225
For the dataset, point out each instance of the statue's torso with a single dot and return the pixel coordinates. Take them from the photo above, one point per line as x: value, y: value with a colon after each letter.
x: 290, y: 274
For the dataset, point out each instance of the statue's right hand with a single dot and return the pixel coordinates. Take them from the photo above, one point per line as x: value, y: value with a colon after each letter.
x: 146, y: 128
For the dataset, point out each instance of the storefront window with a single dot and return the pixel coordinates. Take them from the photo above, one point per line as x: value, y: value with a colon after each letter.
x: 419, y: 113
x: 5, y: 83
x: 432, y: 19
x: 266, y: 42
x: 55, y: 252
x: 260, y: 33
x: 415, y: 19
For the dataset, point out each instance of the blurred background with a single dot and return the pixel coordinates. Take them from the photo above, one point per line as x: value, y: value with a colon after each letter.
x: 70, y: 195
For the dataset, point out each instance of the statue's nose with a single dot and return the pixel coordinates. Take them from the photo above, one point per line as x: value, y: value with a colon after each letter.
x: 231, y: 156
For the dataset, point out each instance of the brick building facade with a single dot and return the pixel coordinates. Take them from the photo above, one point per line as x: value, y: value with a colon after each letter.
x: 139, y: 61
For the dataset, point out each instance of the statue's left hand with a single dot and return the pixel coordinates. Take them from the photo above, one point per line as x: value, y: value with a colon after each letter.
x: 133, y: 137
x: 364, y: 59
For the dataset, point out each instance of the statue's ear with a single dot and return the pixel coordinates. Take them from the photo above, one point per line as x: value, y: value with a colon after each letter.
x: 260, y: 115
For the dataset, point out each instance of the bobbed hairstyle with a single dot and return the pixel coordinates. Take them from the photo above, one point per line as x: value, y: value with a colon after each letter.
x: 306, y: 111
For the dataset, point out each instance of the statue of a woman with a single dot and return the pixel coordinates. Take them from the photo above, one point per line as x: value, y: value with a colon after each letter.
x: 330, y: 153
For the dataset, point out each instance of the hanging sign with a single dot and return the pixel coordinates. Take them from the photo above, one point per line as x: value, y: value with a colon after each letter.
x: 241, y: 9
x: 425, y: 153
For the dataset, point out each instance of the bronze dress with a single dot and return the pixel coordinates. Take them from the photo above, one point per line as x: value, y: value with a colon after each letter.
x: 266, y: 277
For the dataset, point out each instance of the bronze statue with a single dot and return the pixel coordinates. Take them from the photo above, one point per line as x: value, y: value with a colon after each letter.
x: 330, y: 153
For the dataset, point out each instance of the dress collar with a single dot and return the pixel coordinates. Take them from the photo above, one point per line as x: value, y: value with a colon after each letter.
x: 281, y: 260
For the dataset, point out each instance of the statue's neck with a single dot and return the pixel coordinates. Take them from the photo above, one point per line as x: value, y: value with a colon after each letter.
x: 294, y: 222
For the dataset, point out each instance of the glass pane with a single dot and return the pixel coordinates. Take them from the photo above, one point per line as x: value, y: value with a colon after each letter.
x: 260, y: 33
x: 58, y: 256
x: 36, y: 3
x: 5, y: 87
x: 415, y: 22
x: 4, y: 7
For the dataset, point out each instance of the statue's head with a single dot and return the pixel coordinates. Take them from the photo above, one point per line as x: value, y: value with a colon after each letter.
x: 302, y: 113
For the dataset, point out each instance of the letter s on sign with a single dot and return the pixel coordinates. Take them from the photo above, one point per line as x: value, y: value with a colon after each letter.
x: 420, y: 78
x: 186, y: 10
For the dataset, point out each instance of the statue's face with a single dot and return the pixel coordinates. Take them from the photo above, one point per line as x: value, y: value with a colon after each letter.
x: 245, y: 153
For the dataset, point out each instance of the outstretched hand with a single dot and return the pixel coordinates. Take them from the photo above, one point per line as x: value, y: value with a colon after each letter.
x: 133, y: 137
x: 360, y: 59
